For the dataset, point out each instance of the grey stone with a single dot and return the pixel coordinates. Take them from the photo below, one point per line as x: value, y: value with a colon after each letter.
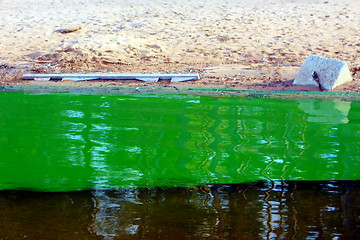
x: 70, y: 29
x: 324, y: 72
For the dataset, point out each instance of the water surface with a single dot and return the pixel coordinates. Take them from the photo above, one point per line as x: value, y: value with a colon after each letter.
x: 266, y: 210
x: 66, y: 142
x: 127, y: 166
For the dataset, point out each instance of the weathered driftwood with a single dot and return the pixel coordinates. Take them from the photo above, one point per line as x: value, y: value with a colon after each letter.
x: 89, y: 77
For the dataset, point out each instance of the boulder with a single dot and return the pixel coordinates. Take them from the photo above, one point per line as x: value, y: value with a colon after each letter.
x: 326, y: 73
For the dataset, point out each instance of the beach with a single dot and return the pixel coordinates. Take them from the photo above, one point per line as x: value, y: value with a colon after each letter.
x: 257, y: 45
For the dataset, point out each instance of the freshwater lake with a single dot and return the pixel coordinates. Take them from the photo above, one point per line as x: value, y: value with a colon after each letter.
x: 172, y: 166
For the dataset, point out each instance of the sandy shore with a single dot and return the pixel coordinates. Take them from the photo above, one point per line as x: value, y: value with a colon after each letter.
x: 258, y: 44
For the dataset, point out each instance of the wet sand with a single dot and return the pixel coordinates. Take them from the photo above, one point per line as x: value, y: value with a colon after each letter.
x: 258, y: 45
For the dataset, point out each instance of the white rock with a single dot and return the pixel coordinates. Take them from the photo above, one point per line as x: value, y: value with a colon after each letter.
x: 330, y: 73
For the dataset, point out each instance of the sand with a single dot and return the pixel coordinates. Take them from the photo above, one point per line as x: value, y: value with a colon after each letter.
x: 258, y: 44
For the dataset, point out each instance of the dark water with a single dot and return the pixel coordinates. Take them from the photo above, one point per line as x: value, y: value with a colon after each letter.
x: 266, y: 210
x: 178, y: 167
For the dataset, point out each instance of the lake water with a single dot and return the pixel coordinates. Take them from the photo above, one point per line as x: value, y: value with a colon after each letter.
x: 141, y: 166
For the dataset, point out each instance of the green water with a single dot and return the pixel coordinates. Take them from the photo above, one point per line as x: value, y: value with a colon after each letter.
x: 65, y: 142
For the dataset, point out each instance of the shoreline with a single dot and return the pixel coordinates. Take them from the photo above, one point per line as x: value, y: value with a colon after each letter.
x: 178, y: 90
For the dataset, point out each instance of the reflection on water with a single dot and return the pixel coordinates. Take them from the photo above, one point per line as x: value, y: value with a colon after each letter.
x: 264, y: 210
x: 334, y: 111
x: 178, y: 167
x: 63, y: 142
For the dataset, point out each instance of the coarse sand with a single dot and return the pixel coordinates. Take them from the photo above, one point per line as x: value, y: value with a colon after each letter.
x: 258, y: 44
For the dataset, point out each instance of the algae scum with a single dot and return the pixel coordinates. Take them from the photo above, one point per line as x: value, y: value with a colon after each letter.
x: 171, y: 166
x: 66, y: 142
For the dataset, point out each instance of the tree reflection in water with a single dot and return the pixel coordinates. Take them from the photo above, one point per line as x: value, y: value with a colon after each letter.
x: 264, y: 210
